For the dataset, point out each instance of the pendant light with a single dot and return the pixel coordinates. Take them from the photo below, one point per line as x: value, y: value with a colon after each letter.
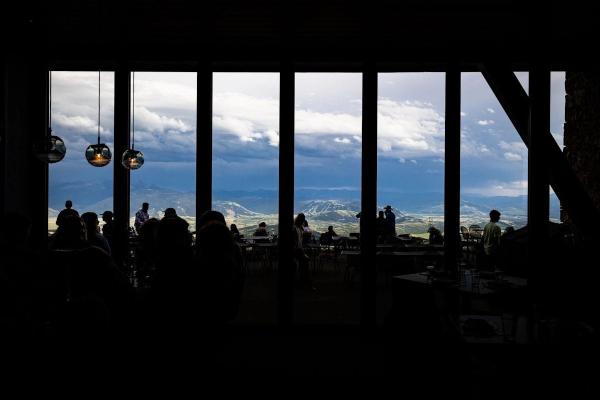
x: 51, y: 149
x: 133, y: 159
x: 98, y: 154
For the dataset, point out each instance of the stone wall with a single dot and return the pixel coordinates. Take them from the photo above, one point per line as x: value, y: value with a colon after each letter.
x: 582, y: 129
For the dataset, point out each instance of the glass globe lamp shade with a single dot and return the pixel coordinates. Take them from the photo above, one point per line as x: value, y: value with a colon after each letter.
x: 98, y: 155
x: 51, y: 149
x: 133, y: 159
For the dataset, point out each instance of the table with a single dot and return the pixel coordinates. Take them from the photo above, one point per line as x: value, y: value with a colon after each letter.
x: 266, y: 258
x: 257, y: 238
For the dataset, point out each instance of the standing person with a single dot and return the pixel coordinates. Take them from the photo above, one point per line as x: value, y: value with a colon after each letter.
x: 68, y: 210
x: 141, y: 216
x: 299, y: 254
x: 491, y: 239
x: 390, y: 222
x: 381, y: 227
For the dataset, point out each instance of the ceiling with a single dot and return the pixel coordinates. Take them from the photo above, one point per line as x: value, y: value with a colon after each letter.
x: 325, y: 34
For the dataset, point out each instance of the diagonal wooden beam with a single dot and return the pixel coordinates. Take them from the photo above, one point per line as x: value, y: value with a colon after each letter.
x: 566, y: 185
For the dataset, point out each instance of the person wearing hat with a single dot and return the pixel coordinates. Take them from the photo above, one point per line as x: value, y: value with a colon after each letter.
x: 390, y: 222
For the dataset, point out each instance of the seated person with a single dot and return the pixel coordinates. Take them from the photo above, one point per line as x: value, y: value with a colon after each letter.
x: 435, y: 236
x: 327, y: 237
x: 307, y: 234
x: 235, y: 233
x: 262, y: 230
x: 93, y: 235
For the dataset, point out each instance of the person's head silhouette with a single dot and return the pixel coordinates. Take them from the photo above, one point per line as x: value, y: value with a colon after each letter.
x: 495, y: 215
x: 71, y: 233
x: 299, y: 221
x: 68, y: 204
x: 170, y: 213
x: 145, y: 206
x: 210, y: 216
x: 90, y: 219
x: 107, y: 216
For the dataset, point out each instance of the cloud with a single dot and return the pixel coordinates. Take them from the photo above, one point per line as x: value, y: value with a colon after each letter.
x: 513, y: 151
x: 409, y: 129
x: 516, y: 146
x: 342, y: 140
x: 76, y: 123
x: 491, y: 110
x: 248, y: 117
x: 154, y: 121
x: 485, y: 122
x: 512, y: 156
x: 313, y: 122
x: 499, y: 188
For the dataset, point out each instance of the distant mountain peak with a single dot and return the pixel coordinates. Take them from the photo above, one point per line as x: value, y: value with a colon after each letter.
x: 230, y: 209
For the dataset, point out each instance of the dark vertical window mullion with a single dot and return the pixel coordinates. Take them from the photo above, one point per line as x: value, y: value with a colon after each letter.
x: 121, y: 174
x: 452, y: 170
x: 204, y: 135
x: 3, y: 110
x: 538, y: 189
x: 285, y: 293
x: 368, y: 241
x: 37, y: 188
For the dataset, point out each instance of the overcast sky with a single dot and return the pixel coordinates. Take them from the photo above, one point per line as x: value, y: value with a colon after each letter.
x: 328, y: 131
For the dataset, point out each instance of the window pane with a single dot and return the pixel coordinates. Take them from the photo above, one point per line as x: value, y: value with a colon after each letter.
x: 165, y: 131
x: 75, y: 120
x: 410, y: 171
x: 493, y: 167
x: 328, y: 136
x: 557, y: 125
x: 246, y: 179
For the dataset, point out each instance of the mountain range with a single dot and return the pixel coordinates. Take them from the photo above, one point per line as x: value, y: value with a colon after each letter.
x: 321, y: 206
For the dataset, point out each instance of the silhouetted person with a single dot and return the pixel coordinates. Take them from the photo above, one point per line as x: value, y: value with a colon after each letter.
x: 84, y: 294
x: 390, y: 222
x: 68, y: 210
x: 141, y: 216
x: 235, y: 233
x: 308, y: 234
x: 90, y: 219
x: 220, y: 272
x: 210, y: 216
x: 327, y: 237
x: 147, y: 250
x: 301, y: 258
x: 491, y: 239
x: 381, y: 227
x: 435, y: 235
x: 108, y: 227
x: 174, y: 299
x: 262, y: 230
x: 170, y: 213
